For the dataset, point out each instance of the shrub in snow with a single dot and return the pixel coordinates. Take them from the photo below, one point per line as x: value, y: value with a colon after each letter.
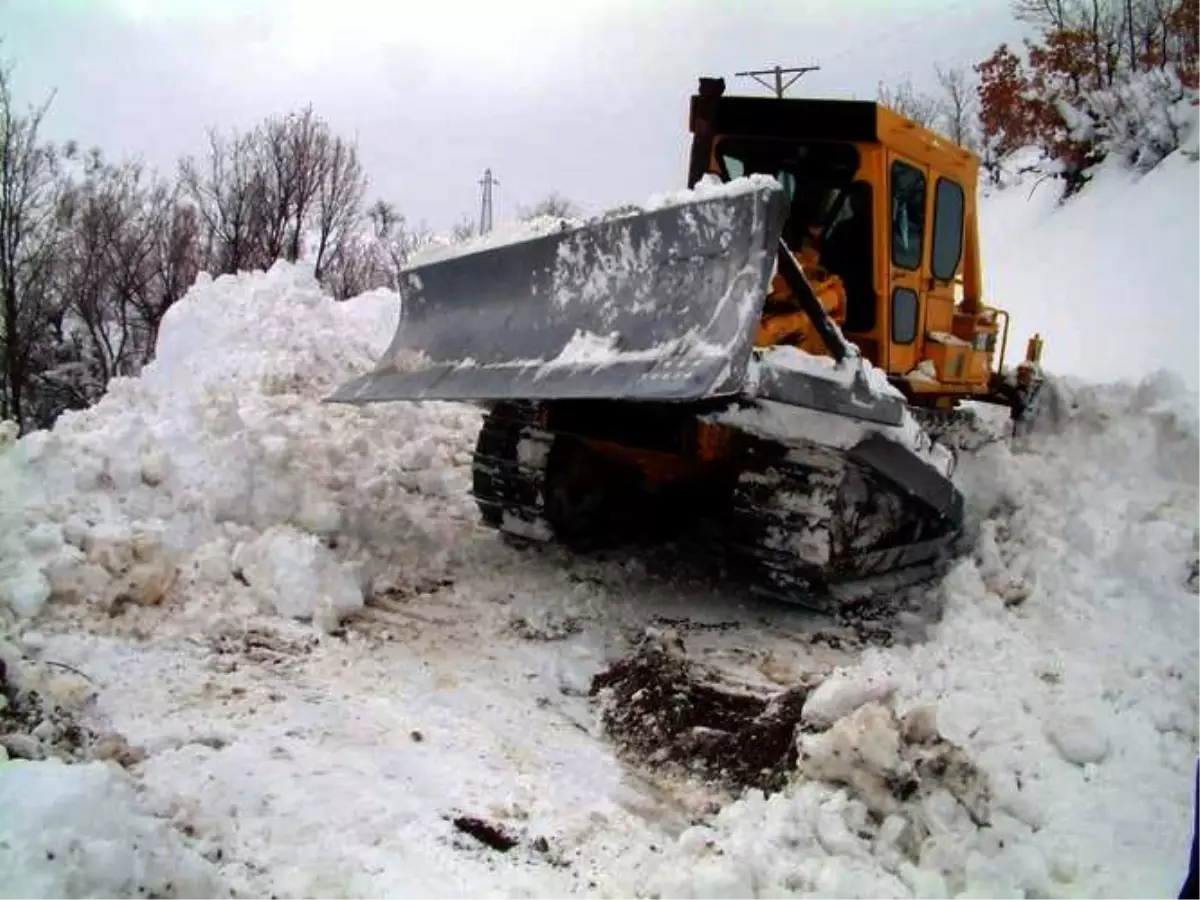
x: 1141, y: 119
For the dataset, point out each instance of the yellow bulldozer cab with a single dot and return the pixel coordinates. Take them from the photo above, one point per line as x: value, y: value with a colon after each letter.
x: 882, y: 219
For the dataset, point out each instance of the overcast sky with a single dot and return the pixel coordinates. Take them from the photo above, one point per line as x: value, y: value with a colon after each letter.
x: 585, y: 97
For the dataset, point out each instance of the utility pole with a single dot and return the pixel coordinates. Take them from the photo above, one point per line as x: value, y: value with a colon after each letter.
x: 780, y: 85
x: 485, y: 205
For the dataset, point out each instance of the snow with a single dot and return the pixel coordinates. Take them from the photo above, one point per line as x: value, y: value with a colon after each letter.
x: 791, y: 424
x: 795, y: 425
x: 215, y: 464
x: 844, y: 373
x: 586, y: 346
x: 1110, y: 279
x: 502, y: 235
x: 1079, y: 703
x: 289, y: 609
x: 710, y: 187
x: 78, y: 831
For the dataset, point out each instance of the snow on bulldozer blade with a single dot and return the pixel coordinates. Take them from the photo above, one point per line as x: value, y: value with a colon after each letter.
x: 657, y: 304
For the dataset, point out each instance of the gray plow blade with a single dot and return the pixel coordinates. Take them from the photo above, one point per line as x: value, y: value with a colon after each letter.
x: 658, y: 305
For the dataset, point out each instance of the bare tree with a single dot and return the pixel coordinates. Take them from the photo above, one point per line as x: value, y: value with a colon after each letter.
x: 373, y: 256
x: 176, y: 261
x: 229, y: 197
x: 29, y: 233
x: 263, y: 191
x: 93, y: 272
x: 465, y: 229
x: 291, y: 156
x: 958, y: 106
x: 338, y: 198
x: 1044, y: 13
x: 554, y: 205
x: 909, y: 102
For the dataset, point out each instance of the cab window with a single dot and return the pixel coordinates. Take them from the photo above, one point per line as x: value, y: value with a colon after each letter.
x: 908, y: 215
x: 947, y: 228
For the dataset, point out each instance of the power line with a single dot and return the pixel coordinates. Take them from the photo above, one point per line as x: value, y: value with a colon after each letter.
x: 779, y: 85
x: 890, y: 32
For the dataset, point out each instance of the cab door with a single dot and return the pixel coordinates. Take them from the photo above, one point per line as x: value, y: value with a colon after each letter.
x: 908, y: 193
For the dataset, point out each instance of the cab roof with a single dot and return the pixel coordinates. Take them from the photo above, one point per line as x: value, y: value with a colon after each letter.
x: 856, y: 121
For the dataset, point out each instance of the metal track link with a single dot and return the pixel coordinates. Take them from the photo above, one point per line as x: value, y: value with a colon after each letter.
x: 509, y: 471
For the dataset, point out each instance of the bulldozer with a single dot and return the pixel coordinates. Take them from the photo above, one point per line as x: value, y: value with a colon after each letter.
x: 759, y: 361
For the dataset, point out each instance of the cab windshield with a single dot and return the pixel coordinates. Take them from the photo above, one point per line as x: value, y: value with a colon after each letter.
x: 815, y: 175
x: 827, y: 209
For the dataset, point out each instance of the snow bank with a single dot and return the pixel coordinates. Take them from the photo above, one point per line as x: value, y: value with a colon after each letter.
x: 218, y: 472
x: 1067, y: 667
x: 1109, y: 279
x: 78, y: 831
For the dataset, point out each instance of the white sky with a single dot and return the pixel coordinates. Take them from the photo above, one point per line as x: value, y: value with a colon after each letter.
x: 585, y: 97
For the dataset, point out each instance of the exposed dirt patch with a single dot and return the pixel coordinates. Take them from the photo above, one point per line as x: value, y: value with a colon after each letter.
x: 547, y: 628
x: 662, y: 709
x: 667, y: 712
x: 261, y: 646
x: 34, y: 722
x: 685, y: 626
x: 486, y: 833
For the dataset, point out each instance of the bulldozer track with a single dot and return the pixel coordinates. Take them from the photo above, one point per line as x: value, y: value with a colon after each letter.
x: 814, y: 527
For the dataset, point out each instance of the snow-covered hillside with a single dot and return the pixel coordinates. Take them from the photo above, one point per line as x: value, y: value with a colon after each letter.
x: 1111, y: 278
x: 293, y: 660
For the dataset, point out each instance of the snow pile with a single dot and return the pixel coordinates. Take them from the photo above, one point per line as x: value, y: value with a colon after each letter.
x: 218, y: 472
x: 23, y: 587
x: 77, y: 831
x: 1066, y: 668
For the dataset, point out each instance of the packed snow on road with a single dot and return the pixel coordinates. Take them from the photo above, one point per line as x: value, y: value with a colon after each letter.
x: 255, y: 643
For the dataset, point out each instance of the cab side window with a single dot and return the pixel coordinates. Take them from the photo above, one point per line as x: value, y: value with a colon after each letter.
x: 908, y: 215
x: 948, y: 202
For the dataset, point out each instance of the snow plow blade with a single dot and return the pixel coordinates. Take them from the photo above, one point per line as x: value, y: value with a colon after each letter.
x: 657, y: 305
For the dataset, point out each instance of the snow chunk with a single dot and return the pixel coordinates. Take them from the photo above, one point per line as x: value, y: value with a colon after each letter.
x: 77, y: 831
x: 299, y: 577
x: 1079, y: 738
x: 844, y: 691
